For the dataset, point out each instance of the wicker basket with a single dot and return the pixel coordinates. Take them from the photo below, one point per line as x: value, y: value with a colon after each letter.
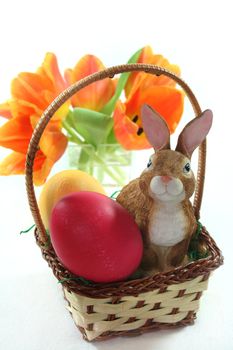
x: 165, y: 300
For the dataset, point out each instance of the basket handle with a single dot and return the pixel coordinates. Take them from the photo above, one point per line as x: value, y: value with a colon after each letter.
x: 66, y: 94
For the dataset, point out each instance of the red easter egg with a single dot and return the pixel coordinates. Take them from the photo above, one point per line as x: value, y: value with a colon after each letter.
x: 95, y: 237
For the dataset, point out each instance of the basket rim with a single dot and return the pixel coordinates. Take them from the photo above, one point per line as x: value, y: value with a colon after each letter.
x: 202, y: 267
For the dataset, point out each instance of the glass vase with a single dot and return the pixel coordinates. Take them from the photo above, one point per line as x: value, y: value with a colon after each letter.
x: 110, y: 164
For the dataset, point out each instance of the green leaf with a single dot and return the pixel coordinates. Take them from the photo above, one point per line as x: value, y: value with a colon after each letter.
x: 111, y: 139
x: 109, y: 107
x: 92, y: 126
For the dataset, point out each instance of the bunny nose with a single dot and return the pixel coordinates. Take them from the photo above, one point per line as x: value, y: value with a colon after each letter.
x: 165, y: 179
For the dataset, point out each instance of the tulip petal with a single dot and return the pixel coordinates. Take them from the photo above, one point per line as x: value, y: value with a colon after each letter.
x: 50, y: 70
x: 146, y: 53
x: 5, y: 110
x: 28, y: 87
x: 167, y: 101
x: 32, y: 90
x: 40, y: 176
x: 96, y: 95
x: 52, y: 147
x: 13, y: 164
x: 127, y: 117
x: 32, y: 93
x: 15, y: 134
x: 21, y: 108
x: 126, y: 131
x: 162, y: 80
x: 38, y: 90
x: 144, y: 80
x: 53, y: 144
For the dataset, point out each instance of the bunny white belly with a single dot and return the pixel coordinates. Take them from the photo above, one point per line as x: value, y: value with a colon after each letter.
x: 167, y: 225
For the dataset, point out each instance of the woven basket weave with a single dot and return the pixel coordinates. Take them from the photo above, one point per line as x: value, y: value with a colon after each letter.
x: 165, y: 300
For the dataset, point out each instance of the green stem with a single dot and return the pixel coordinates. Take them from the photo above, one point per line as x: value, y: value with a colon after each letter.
x: 75, y: 136
x: 109, y: 107
x: 77, y: 140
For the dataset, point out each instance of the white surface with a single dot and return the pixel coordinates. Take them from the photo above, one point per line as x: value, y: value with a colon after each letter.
x: 197, y: 36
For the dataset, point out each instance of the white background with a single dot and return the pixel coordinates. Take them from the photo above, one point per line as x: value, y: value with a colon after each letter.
x: 197, y: 35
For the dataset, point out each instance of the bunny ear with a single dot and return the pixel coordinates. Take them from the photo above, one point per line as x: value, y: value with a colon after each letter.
x: 155, y: 128
x: 194, y: 133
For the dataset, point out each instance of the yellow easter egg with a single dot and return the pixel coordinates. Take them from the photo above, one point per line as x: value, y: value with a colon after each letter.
x: 62, y: 184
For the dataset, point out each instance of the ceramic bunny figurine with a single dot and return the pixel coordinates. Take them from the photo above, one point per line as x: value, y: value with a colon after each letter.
x: 159, y: 199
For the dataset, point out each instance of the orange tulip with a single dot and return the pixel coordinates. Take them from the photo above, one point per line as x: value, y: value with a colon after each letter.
x: 158, y: 92
x: 31, y: 95
x: 143, y: 80
x: 96, y: 95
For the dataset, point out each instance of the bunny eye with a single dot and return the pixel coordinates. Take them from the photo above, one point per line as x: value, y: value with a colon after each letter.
x: 149, y: 163
x: 187, y: 168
